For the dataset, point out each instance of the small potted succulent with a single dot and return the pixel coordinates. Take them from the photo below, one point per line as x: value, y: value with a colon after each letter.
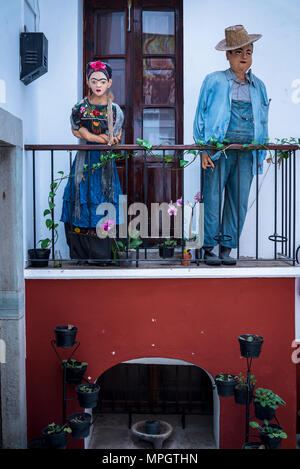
x: 88, y: 395
x: 250, y: 345
x: 80, y: 424
x: 226, y: 383
x: 241, y: 389
x: 65, y: 335
x: 270, y: 434
x: 166, y: 249
x: 120, y: 252
x: 266, y: 402
x: 74, y: 370
x: 56, y: 435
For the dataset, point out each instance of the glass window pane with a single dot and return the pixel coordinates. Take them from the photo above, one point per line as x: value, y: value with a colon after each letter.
x: 118, y: 80
x: 159, y: 126
x: 158, y: 32
x: 159, y: 81
x: 110, y: 33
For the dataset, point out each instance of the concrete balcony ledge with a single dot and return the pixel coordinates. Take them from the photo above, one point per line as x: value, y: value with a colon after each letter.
x: 117, y: 273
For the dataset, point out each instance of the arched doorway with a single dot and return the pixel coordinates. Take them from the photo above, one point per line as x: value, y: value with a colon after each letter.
x: 174, y: 391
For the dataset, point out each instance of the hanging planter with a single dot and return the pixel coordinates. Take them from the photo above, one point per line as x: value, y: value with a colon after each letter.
x: 265, y: 403
x: 225, y: 384
x: 65, y: 335
x: 38, y: 257
x: 253, y: 445
x: 270, y: 434
x: 241, y: 389
x: 87, y: 395
x: 80, y: 424
x: 74, y: 371
x: 250, y: 345
x: 240, y: 394
x: 56, y: 435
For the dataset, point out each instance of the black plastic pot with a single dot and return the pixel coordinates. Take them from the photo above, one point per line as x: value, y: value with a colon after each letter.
x: 250, y: 349
x: 39, y: 257
x: 166, y: 251
x: 226, y: 388
x: 55, y: 440
x: 80, y: 424
x: 152, y: 427
x: 252, y: 445
x: 270, y: 443
x: 240, y: 394
x: 263, y: 413
x: 88, y: 400
x: 65, y: 337
x: 75, y: 375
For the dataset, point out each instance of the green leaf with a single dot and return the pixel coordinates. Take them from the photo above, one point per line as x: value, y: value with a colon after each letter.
x: 192, y: 152
x: 47, y: 212
x: 51, y: 195
x: 49, y: 223
x: 45, y: 243
x: 61, y: 172
x: 254, y: 424
x: 51, y: 205
x: 183, y: 163
x: 168, y: 158
x: 53, y: 185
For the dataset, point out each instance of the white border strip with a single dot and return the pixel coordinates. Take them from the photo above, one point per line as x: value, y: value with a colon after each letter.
x: 138, y: 273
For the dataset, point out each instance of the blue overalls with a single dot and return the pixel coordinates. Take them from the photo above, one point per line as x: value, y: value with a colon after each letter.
x: 227, y: 167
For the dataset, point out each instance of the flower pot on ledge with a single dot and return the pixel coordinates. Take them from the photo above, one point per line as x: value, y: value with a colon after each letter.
x: 185, y: 258
x: 39, y: 257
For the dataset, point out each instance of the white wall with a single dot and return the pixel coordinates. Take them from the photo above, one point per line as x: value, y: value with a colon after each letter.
x: 275, y: 61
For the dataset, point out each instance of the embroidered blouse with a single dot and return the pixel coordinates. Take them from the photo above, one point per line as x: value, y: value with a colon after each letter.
x: 94, y: 117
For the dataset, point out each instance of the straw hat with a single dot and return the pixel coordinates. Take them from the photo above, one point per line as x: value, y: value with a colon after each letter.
x: 236, y: 37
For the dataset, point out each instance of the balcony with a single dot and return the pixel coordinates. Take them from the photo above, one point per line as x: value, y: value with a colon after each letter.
x: 269, y: 233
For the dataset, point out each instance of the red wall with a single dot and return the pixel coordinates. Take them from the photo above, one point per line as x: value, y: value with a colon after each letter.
x: 196, y: 320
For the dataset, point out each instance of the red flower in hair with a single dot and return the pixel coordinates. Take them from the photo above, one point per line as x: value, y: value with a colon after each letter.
x: 97, y: 66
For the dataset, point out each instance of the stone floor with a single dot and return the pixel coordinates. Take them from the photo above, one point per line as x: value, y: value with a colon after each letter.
x: 110, y: 431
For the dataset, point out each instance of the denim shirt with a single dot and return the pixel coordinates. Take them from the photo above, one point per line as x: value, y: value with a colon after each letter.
x: 214, y: 107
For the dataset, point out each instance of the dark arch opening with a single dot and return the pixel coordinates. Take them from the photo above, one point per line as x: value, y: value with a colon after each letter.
x: 181, y: 394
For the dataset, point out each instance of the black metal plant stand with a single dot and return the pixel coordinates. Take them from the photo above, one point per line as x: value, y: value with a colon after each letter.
x: 64, y: 394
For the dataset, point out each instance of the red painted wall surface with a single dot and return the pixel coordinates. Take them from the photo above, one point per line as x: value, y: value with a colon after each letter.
x: 196, y: 320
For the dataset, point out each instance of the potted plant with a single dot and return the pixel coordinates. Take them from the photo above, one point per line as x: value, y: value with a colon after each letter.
x: 250, y: 345
x: 241, y: 389
x: 74, y: 370
x: 87, y: 395
x: 39, y: 257
x: 270, y: 434
x: 56, y: 435
x: 65, y: 335
x: 266, y: 402
x: 166, y: 249
x: 80, y: 424
x: 185, y: 257
x: 226, y: 383
x: 253, y: 445
x: 120, y: 251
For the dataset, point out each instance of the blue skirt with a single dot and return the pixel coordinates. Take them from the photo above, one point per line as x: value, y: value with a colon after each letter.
x: 88, y: 206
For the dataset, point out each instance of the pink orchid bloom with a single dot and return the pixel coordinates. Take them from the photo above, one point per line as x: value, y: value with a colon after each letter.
x: 107, y: 225
x: 172, y: 210
x: 179, y: 201
x: 197, y: 197
x: 98, y: 65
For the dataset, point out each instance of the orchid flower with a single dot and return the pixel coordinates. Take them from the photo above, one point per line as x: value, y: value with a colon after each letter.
x: 172, y: 210
x: 107, y: 225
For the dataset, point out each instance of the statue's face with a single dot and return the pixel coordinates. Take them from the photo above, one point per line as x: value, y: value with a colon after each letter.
x: 240, y: 59
x: 99, y: 83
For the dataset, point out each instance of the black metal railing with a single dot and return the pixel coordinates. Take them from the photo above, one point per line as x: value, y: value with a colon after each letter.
x: 282, y: 173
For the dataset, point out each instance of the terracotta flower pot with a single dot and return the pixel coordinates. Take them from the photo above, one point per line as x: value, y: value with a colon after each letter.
x: 185, y: 259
